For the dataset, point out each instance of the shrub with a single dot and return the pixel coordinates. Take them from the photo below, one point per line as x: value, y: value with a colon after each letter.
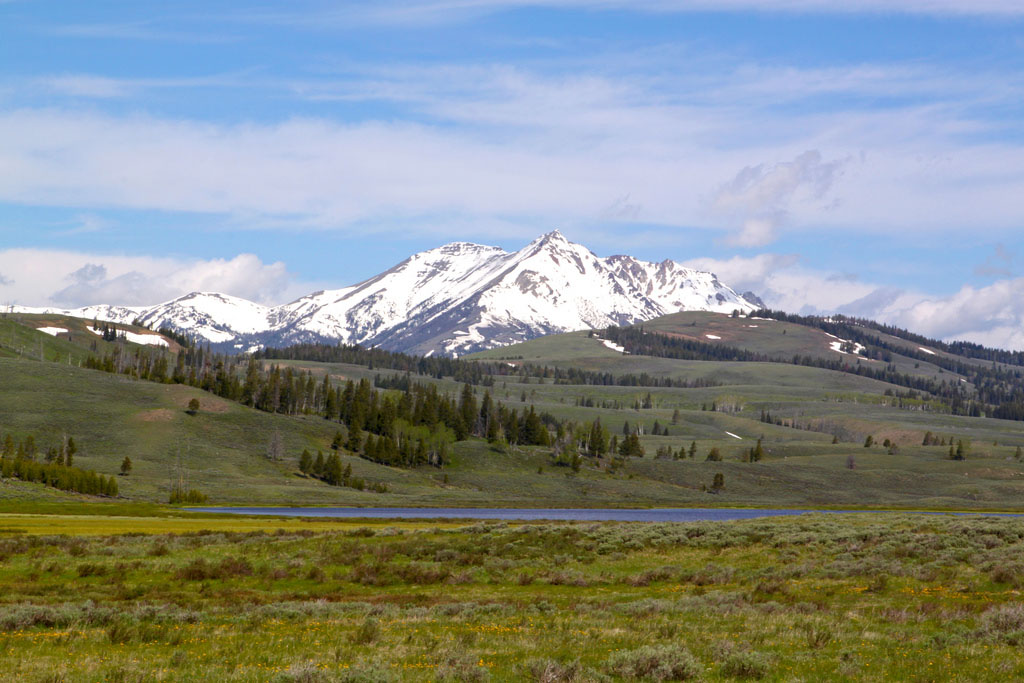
x: 745, y: 664
x: 656, y: 663
x: 461, y: 668
x: 201, y: 570
x: 88, y: 569
x: 1005, y: 622
x: 367, y: 632
x: 550, y: 671
x: 159, y: 549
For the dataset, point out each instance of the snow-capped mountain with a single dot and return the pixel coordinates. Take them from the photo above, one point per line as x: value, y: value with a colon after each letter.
x: 455, y: 299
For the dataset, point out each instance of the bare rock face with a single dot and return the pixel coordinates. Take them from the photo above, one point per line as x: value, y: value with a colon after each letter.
x: 453, y: 300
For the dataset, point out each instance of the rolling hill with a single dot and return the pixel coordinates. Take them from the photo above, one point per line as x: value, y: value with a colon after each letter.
x: 818, y: 421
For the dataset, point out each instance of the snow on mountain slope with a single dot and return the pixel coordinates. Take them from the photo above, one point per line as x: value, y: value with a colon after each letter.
x: 423, y: 281
x: 218, y: 318
x: 454, y: 299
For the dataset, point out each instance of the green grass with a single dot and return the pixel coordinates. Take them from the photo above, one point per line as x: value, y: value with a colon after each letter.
x: 222, y: 450
x: 819, y: 597
x: 778, y: 340
x: 20, y: 338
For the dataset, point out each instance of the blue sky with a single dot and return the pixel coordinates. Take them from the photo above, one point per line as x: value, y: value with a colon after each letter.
x: 867, y: 160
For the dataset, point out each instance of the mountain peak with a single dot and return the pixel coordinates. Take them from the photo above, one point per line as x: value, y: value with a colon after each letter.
x: 553, y: 237
x: 455, y: 299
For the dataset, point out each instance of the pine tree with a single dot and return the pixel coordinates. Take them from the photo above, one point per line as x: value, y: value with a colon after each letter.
x: 468, y: 408
x: 597, y: 439
x: 355, y: 438
x: 631, y: 447
x: 305, y: 461
x: 693, y: 450
x: 869, y: 441
x: 714, y: 455
x: 333, y: 473
x: 126, y: 466
x: 318, y: 465
x: 758, y: 453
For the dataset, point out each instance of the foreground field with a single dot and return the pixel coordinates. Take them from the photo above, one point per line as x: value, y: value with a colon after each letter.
x: 820, y: 597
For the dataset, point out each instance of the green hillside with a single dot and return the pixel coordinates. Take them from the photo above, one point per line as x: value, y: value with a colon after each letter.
x: 223, y: 449
x: 73, y: 339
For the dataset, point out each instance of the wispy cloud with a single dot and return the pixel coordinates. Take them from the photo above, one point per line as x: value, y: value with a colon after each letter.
x: 84, y: 224
x: 761, y: 196
x: 421, y: 12
x: 492, y: 142
x: 102, y: 87
x: 998, y: 264
x: 138, y: 31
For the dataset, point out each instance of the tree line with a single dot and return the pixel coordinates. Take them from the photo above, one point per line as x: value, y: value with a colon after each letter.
x: 21, y: 459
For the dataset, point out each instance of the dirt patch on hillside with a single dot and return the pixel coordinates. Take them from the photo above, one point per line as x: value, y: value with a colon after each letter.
x: 158, y: 415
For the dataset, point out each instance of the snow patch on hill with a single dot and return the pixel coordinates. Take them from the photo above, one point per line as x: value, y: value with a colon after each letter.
x: 612, y: 345
x: 135, y: 337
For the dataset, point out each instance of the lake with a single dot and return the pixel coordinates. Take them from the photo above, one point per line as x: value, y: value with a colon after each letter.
x: 560, y: 514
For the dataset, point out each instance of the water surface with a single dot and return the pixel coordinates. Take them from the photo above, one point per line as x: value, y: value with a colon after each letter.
x: 560, y: 514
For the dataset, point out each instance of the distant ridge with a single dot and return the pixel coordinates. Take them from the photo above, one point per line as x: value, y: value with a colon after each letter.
x: 452, y: 300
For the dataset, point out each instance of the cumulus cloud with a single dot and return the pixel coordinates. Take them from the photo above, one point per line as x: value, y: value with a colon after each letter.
x: 762, y: 195
x: 71, y: 279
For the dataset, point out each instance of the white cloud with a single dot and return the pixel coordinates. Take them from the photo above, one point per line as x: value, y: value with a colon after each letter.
x: 497, y: 142
x: 38, y: 277
x: 328, y: 174
x: 756, y: 232
x: 784, y: 282
x: 991, y: 315
x: 763, y: 195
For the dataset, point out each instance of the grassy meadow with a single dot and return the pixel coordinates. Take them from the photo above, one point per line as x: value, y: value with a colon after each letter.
x: 137, y: 590
x: 816, y: 597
